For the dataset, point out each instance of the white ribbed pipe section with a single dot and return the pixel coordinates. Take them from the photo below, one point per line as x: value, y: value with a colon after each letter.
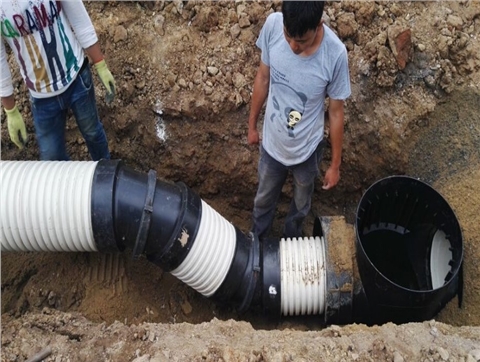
x: 208, y: 262
x: 46, y: 206
x: 303, y: 276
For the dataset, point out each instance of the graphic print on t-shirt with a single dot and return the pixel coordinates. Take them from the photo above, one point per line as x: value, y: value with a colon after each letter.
x: 38, y: 27
x: 289, y: 114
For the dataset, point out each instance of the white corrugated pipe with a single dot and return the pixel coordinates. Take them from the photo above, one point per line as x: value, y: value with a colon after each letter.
x: 105, y: 206
x: 46, y: 206
x: 303, y: 276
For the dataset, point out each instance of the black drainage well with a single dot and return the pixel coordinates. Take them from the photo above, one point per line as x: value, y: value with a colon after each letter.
x: 409, y: 251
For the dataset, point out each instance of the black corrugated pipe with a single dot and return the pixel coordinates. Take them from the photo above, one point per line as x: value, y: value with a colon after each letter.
x: 409, y: 251
x: 105, y: 206
x: 175, y: 230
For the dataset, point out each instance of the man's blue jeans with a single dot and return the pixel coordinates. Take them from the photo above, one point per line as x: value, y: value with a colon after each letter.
x: 50, y: 115
x: 271, y: 178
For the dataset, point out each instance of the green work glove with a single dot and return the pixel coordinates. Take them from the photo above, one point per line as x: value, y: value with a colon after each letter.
x: 15, y: 125
x: 107, y: 80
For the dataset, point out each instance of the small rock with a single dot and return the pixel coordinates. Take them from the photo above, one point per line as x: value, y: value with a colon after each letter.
x: 239, y: 80
x: 51, y: 298
x: 347, y: 25
x: 243, y: 22
x: 171, y: 79
x: 182, y: 83
x: 241, y: 8
x: 212, y: 70
x: 455, y: 22
x: 444, y: 355
x: 205, y: 20
x: 186, y: 308
x: 208, y: 90
x: 397, y: 357
x: 235, y: 31
x: 403, y: 44
x: 471, y: 359
x: 120, y: 34
x: 336, y: 330
x: 197, y: 77
x: 475, y: 354
x: 151, y: 337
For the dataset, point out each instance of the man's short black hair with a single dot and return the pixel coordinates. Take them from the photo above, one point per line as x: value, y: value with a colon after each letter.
x: 301, y: 16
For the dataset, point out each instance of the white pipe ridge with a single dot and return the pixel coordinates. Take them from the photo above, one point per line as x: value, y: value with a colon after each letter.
x: 303, y: 276
x: 208, y: 262
x: 46, y: 206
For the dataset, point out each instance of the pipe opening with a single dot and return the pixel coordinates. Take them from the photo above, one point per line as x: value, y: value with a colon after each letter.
x: 409, y: 234
x: 409, y: 238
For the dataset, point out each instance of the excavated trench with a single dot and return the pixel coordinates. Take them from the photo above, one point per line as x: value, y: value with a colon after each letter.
x: 420, y: 121
x: 114, y: 286
x: 406, y: 264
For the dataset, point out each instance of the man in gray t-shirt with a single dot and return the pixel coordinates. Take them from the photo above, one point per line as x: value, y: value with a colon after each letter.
x: 302, y: 63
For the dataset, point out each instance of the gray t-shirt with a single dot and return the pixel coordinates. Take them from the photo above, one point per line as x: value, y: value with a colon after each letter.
x: 294, y: 116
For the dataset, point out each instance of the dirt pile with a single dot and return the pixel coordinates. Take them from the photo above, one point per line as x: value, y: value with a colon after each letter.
x: 184, y: 71
x: 72, y: 337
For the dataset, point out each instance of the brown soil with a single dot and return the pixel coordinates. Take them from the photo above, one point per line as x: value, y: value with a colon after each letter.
x: 184, y: 72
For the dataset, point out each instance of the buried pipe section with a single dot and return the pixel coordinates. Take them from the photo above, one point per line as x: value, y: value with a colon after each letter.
x: 45, y: 206
x: 107, y: 207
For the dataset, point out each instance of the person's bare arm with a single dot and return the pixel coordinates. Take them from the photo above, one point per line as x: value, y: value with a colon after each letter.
x: 8, y: 102
x: 260, y: 92
x: 336, y: 120
x: 94, y: 52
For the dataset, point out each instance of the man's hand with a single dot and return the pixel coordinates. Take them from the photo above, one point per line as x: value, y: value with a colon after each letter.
x: 15, y: 125
x: 107, y: 79
x: 332, y: 176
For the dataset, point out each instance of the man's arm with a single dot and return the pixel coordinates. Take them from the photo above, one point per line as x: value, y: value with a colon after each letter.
x: 336, y: 120
x: 260, y: 92
x: 6, y: 90
x: 87, y: 37
x: 95, y: 53
x: 8, y: 102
